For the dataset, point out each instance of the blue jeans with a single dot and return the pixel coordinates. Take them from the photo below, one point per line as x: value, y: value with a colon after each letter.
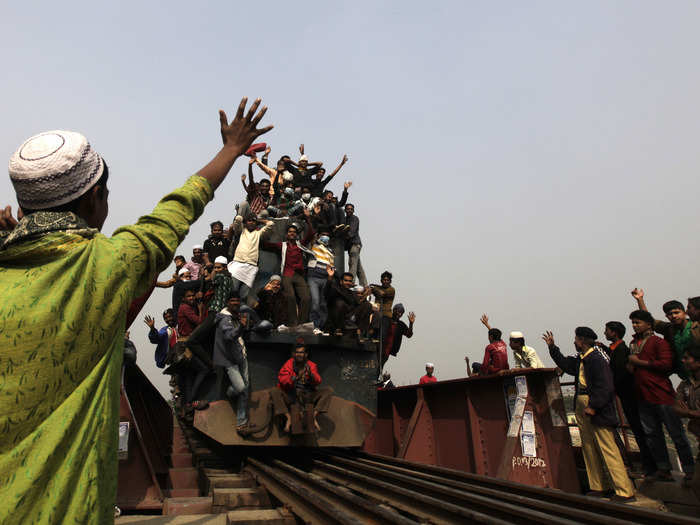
x: 319, y: 308
x: 652, y: 416
x: 242, y: 288
x: 238, y: 374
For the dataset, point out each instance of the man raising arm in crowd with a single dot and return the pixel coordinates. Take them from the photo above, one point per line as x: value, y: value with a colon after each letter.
x: 56, y: 260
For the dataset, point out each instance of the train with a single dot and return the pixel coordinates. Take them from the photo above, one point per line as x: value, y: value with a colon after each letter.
x: 350, y: 367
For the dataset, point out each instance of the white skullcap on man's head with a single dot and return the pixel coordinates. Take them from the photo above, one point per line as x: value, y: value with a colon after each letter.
x: 54, y: 168
x: 429, y: 365
x: 304, y: 157
x: 197, y: 247
x: 221, y: 260
x: 517, y: 335
x: 287, y: 176
x: 183, y: 271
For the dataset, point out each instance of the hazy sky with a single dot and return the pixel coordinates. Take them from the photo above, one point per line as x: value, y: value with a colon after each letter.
x: 532, y: 160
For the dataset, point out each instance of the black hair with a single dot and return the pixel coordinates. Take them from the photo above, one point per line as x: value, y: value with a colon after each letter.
x: 348, y: 273
x: 326, y: 192
x: 296, y: 228
x: 233, y: 294
x: 324, y: 229
x: 495, y: 333
x: 673, y: 305
x: 217, y: 223
x: 695, y: 301
x: 181, y: 257
x: 348, y: 204
x: 169, y: 311
x: 617, y: 327
x: 264, y: 181
x: 305, y: 187
x: 584, y: 332
x: 642, y: 315
x: 74, y: 205
x: 386, y: 273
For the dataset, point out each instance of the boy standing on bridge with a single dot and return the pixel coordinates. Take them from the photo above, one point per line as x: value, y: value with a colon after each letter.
x: 595, y: 414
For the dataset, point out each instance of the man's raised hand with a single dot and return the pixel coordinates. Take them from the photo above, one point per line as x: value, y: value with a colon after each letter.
x: 7, y: 221
x: 149, y: 321
x: 330, y: 270
x: 411, y: 317
x: 345, y: 159
x: 637, y: 293
x: 240, y: 133
x: 485, y: 321
x: 347, y: 185
x: 548, y: 337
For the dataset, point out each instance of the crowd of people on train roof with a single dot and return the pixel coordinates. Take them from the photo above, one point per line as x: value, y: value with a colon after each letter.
x: 279, y: 267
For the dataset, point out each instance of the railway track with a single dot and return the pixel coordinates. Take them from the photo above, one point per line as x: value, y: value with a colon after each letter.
x: 342, y: 487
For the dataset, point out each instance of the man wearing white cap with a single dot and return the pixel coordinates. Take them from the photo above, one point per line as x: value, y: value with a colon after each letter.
x: 66, y: 291
x: 303, y: 170
x: 428, y: 377
x: 525, y: 356
x: 195, y: 264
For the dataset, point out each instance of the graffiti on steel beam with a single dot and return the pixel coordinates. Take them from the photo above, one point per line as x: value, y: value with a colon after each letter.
x: 527, y: 462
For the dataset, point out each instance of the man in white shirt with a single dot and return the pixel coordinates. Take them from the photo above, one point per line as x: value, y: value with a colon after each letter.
x: 244, y: 266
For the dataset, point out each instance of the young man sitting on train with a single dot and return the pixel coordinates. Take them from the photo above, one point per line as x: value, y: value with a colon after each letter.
x: 299, y: 382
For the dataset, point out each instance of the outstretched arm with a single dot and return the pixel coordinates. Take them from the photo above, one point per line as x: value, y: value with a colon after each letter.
x: 237, y: 137
x: 335, y: 171
x: 485, y: 321
x: 638, y: 294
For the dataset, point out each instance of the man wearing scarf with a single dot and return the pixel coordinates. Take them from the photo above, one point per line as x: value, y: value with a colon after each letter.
x: 66, y: 292
x: 596, y: 416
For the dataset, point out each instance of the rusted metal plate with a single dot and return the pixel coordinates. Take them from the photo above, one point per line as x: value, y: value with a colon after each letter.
x: 463, y: 424
x: 143, y: 472
x: 346, y: 424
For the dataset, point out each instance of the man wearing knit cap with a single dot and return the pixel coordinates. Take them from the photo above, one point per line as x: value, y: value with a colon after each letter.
x: 428, y: 377
x: 525, y: 356
x: 66, y: 292
x: 596, y: 415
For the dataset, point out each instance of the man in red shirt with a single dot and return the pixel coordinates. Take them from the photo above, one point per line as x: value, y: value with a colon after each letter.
x: 189, y: 315
x: 428, y: 377
x: 496, y: 353
x: 294, y: 285
x: 298, y: 383
x: 651, y: 362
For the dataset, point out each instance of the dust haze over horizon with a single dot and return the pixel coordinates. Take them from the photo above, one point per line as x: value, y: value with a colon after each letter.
x: 534, y: 161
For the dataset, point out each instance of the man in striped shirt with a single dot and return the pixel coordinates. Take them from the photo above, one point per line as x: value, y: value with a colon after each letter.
x: 317, y: 277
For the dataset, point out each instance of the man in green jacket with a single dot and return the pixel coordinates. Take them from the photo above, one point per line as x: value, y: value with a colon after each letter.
x: 66, y: 291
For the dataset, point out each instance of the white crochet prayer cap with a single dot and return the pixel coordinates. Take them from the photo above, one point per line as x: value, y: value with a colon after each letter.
x: 304, y: 157
x: 287, y: 176
x: 54, y: 168
x: 517, y: 335
x: 183, y: 271
x: 221, y: 260
x: 197, y: 247
x: 429, y: 365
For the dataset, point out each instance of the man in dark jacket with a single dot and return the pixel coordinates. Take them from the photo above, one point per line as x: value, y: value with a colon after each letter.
x: 343, y: 304
x: 619, y: 352
x: 595, y: 414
